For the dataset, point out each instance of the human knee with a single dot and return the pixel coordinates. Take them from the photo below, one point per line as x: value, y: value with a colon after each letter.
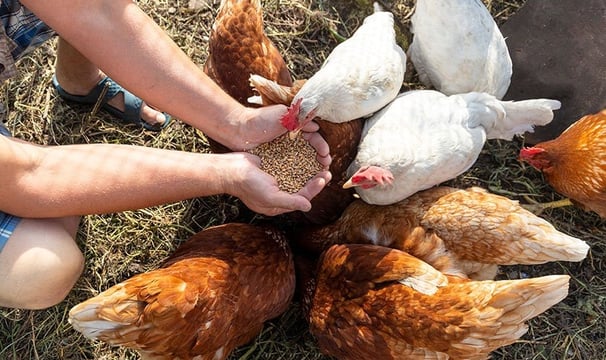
x: 56, y: 275
x: 40, y: 264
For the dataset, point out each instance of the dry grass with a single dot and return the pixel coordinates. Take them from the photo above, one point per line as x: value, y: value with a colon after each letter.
x: 117, y: 246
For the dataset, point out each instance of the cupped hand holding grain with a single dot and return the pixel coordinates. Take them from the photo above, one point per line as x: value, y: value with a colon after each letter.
x: 294, y: 162
x: 260, y: 192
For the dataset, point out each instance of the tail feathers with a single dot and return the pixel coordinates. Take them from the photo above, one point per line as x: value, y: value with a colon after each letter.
x: 539, y: 242
x: 525, y: 299
x: 100, y: 319
x: 270, y: 92
x: 523, y: 116
x: 86, y: 320
x: 517, y: 301
x: 109, y: 331
x: 555, y: 246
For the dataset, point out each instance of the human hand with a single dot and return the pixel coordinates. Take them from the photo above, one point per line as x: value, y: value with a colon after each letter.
x: 260, y: 192
x: 261, y: 125
x: 251, y: 127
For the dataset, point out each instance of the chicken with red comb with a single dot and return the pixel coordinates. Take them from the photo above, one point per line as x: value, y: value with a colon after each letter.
x: 359, y: 77
x: 424, y: 138
x: 574, y: 163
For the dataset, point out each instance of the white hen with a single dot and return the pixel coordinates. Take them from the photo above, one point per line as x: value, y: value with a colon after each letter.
x: 458, y: 48
x: 359, y: 77
x: 424, y: 138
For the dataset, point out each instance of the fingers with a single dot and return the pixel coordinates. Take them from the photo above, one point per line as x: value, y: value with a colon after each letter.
x: 321, y: 147
x: 315, y: 185
x: 283, y: 203
x: 311, y: 127
x: 300, y: 201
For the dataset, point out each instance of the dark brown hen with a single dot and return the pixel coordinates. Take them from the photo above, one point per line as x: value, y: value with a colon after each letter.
x: 239, y: 47
x: 198, y: 303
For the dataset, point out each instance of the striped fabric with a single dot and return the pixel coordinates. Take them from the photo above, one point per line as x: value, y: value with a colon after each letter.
x: 8, y: 223
x: 23, y: 27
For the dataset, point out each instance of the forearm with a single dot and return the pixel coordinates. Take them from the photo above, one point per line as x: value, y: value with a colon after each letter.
x: 138, y: 54
x: 87, y: 179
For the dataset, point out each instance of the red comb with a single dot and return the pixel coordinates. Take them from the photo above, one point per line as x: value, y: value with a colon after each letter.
x: 530, y: 152
x: 289, y: 120
x: 357, y: 178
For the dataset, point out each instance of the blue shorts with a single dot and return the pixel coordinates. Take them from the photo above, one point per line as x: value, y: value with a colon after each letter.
x: 8, y: 223
x: 4, y: 131
x: 24, y: 28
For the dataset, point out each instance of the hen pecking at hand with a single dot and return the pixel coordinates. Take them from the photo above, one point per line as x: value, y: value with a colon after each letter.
x: 360, y: 76
x: 342, y: 138
x: 468, y: 231
x: 424, y: 138
x: 458, y: 48
x: 574, y: 163
x: 371, y: 302
x: 197, y: 305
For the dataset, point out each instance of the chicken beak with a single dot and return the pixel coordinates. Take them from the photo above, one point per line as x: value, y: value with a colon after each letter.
x: 348, y: 184
x: 293, y: 134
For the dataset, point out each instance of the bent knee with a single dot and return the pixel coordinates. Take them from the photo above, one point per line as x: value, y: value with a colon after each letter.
x: 37, y: 270
x: 50, y: 280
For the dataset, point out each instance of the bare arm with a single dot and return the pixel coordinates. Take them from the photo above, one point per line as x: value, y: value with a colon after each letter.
x: 58, y: 181
x: 132, y: 49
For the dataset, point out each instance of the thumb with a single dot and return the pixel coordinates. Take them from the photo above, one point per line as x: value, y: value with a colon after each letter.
x: 314, y: 186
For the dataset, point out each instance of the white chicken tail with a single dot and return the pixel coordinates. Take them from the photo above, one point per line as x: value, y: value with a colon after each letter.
x: 523, y: 116
x: 513, y: 303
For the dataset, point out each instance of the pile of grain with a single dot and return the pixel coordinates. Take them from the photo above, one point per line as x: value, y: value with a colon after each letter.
x: 291, y: 162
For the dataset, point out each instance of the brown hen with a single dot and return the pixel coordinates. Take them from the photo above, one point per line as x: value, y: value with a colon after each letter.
x: 478, y: 229
x: 342, y: 139
x: 574, y: 163
x: 198, y: 303
x: 372, y: 302
x: 239, y: 47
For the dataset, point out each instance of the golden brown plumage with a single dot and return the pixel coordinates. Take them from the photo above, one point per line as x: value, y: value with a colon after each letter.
x: 371, y: 302
x: 480, y: 230
x: 239, y: 47
x: 574, y: 163
x: 199, y: 302
x: 342, y: 139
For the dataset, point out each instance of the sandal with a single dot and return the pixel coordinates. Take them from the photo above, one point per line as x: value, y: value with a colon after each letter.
x: 132, y: 104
